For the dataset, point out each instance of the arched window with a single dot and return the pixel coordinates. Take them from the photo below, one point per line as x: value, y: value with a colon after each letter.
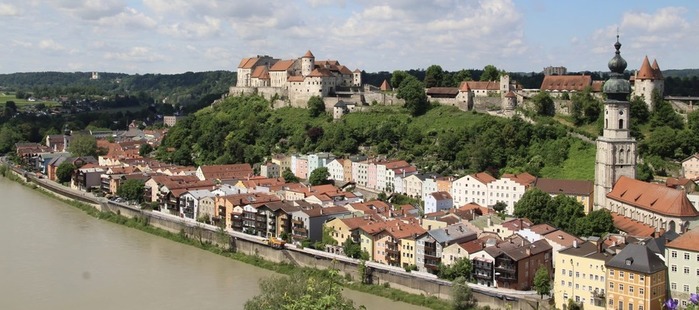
x: 621, y: 156
x: 621, y: 124
x: 606, y: 123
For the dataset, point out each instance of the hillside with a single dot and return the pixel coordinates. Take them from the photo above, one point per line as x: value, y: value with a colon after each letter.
x: 445, y: 139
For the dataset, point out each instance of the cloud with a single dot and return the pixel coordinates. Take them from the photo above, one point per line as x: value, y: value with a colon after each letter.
x: 135, y: 54
x: 326, y: 3
x: 129, y: 18
x: 664, y: 20
x: 209, y: 27
x: 8, y: 10
x: 51, y: 45
x: 90, y: 9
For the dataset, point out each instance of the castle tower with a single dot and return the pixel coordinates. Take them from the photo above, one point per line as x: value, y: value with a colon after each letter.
x: 504, y: 85
x: 616, y: 149
x: 648, y: 79
x: 307, y: 63
x: 357, y: 77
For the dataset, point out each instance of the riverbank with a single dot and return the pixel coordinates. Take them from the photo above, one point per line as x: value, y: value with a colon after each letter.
x: 143, y: 223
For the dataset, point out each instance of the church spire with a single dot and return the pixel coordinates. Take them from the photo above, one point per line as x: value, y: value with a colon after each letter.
x: 617, y: 88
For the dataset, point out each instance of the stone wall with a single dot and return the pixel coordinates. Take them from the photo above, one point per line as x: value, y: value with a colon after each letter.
x: 382, y: 98
x: 484, y: 103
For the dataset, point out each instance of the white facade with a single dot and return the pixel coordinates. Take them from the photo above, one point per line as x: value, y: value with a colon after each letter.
x: 690, y: 167
x: 469, y: 189
x: 413, y: 186
x: 429, y: 186
x: 505, y: 190
x: 336, y: 170
x: 434, y: 203
x: 359, y: 173
x: 683, y: 270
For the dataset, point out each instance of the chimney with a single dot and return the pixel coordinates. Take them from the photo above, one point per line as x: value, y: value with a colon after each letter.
x: 522, y: 242
x: 599, y: 246
x: 446, y: 231
x: 575, y: 243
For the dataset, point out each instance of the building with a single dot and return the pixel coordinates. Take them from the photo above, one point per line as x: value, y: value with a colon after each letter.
x: 682, y: 257
x: 647, y: 80
x: 579, y: 190
x: 430, y: 245
x: 557, y: 85
x: 516, y: 263
x: 690, y: 167
x: 438, y: 201
x: 509, y: 189
x: 171, y: 120
x: 581, y: 276
x: 550, y: 70
x: 654, y: 205
x: 636, y: 279
x: 343, y: 107
x: 616, y: 149
x: 294, y: 80
x: 222, y: 173
x: 471, y: 188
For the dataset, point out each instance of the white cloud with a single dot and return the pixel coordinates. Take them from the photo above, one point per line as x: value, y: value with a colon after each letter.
x: 90, y: 9
x: 326, y: 3
x: 51, y: 45
x: 664, y: 20
x: 128, y: 18
x: 8, y: 10
x: 135, y: 54
x: 209, y: 27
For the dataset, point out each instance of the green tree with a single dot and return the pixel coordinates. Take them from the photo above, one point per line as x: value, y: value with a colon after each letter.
x: 461, y: 295
x: 638, y: 110
x: 644, y: 172
x: 289, y: 176
x: 132, y: 190
x: 596, y: 223
x: 10, y: 109
x: 665, y: 115
x: 413, y: 92
x: 543, y: 104
x: 82, y: 145
x: 398, y: 77
x: 300, y: 291
x: 316, y: 106
x: 542, y: 281
x: 460, y: 268
x: 461, y: 76
x: 351, y: 248
x: 535, y: 205
x: 500, y: 206
x: 145, y: 150
x: 490, y: 73
x: 64, y: 172
x: 434, y: 76
x: 8, y: 137
x: 568, y: 211
x: 319, y: 176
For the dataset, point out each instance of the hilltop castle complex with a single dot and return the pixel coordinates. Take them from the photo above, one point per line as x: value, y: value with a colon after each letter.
x: 295, y: 80
x: 647, y: 80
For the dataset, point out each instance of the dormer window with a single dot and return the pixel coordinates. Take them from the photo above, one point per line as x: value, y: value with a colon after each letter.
x: 629, y: 261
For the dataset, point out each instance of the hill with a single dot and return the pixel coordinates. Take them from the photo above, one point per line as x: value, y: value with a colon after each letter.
x: 444, y: 140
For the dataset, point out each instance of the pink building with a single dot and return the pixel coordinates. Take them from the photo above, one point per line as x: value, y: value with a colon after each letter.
x: 302, y: 167
x: 371, y: 176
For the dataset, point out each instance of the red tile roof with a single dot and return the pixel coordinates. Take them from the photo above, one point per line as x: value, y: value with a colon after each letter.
x: 656, y: 70
x: 441, y: 195
x: 295, y: 78
x: 320, y: 72
x: 646, y: 72
x: 479, y: 85
x: 234, y: 171
x: 652, y: 197
x: 308, y: 55
x: 248, y: 63
x: 525, y: 179
x: 483, y: 177
x: 260, y: 72
x: 566, y: 82
x: 687, y: 241
x: 282, y: 65
x: 566, y: 187
x: 631, y: 227
x: 385, y: 86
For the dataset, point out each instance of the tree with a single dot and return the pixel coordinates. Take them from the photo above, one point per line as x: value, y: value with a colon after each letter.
x: 351, y: 248
x: 83, y: 145
x: 644, y: 172
x: 568, y: 211
x: 461, y: 295
x: 434, y: 76
x: 490, y: 73
x: 500, y: 206
x: 8, y: 137
x: 289, y: 176
x: 460, y: 268
x: 461, y: 76
x: 413, y: 92
x: 132, y: 190
x: 145, y: 149
x: 319, y: 176
x: 64, y: 171
x: 543, y: 104
x: 316, y: 106
x: 300, y: 291
x: 542, y: 281
x: 596, y: 223
x: 536, y: 206
x: 10, y: 108
x: 665, y: 115
x: 398, y: 77
x: 638, y: 110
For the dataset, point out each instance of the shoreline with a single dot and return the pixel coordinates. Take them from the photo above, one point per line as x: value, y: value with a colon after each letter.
x: 142, y: 224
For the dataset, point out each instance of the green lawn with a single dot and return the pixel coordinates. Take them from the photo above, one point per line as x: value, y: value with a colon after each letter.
x: 5, y: 97
x: 580, y: 164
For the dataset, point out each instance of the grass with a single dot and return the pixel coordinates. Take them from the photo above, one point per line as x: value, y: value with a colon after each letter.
x: 580, y: 164
x: 5, y: 97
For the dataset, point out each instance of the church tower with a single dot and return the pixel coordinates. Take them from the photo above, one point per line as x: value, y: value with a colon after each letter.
x: 307, y: 63
x: 616, y: 149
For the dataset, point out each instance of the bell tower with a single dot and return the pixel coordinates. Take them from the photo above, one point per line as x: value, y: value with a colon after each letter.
x: 616, y: 149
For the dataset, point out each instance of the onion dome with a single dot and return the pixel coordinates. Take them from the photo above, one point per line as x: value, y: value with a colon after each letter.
x: 617, y: 88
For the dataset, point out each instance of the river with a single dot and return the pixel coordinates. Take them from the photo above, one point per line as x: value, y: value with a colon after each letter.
x: 56, y: 257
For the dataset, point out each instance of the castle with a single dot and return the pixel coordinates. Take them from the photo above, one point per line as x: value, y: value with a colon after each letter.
x: 295, y: 80
x: 647, y: 80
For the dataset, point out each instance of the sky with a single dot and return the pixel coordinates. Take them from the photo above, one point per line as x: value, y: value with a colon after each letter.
x: 174, y: 36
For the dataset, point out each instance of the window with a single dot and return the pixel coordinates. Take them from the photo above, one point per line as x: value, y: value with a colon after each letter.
x: 563, y: 283
x: 630, y: 276
x: 674, y: 255
x: 577, y: 275
x: 611, y: 272
x: 621, y: 274
x: 630, y: 289
x: 621, y: 287
x: 643, y: 278
x: 641, y: 291
x: 686, y: 288
x: 686, y: 256
x: 686, y: 270
x: 621, y: 305
x: 630, y: 306
x: 611, y: 285
x: 673, y: 268
x: 673, y: 286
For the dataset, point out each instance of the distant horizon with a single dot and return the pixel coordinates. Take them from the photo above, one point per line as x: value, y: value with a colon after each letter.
x: 143, y: 36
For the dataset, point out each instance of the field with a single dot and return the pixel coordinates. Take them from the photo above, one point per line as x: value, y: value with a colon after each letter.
x: 5, y: 97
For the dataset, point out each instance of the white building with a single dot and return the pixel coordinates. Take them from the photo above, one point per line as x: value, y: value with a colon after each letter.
x: 438, y: 201
x: 509, y: 189
x: 471, y: 188
x: 336, y: 169
x: 682, y: 259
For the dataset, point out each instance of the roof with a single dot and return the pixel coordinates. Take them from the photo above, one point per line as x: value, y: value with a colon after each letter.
x: 542, y: 229
x: 517, y: 251
x: 357, y: 221
x: 316, y: 212
x: 510, y: 94
x: 400, y: 230
x: 385, y: 86
x: 295, y: 78
x: 563, y: 238
x: 248, y: 63
x: 517, y: 224
x: 637, y: 258
x: 483, y: 177
x: 479, y: 85
x: 687, y: 241
x: 647, y: 72
x: 566, y: 82
x: 587, y: 249
x: 453, y: 233
x: 226, y: 171
x: 566, y: 187
x: 525, y: 179
x: 308, y: 55
x: 282, y: 65
x: 652, y: 197
x: 441, y: 196
x: 320, y: 72
x: 260, y: 72
x: 472, y: 246
x: 631, y: 227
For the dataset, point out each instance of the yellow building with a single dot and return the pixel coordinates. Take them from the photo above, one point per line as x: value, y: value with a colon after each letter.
x: 346, y: 227
x: 636, y: 279
x: 580, y: 276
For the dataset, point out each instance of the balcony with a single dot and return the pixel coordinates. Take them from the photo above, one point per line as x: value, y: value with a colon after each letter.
x: 392, y: 250
x: 483, y: 275
x: 598, y: 294
x: 506, y: 268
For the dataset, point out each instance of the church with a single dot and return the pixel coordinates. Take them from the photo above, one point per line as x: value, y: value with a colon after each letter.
x: 637, y: 207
